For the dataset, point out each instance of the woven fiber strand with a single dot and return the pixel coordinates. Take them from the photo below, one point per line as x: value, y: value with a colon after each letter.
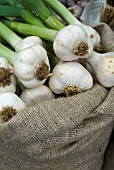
x: 62, y: 134
x: 109, y: 156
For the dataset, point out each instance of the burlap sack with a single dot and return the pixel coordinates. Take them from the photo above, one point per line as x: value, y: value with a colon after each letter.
x: 62, y: 134
x: 109, y: 155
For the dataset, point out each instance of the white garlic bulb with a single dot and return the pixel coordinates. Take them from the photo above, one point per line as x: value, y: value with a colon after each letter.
x: 32, y: 66
x: 103, y: 67
x: 36, y: 95
x: 72, y: 43
x: 9, y: 105
x: 7, y: 77
x: 93, y: 34
x: 28, y: 42
x: 70, y: 78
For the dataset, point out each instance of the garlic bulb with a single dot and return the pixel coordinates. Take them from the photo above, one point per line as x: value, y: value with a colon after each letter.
x: 103, y: 67
x: 93, y: 34
x: 72, y: 43
x: 36, y: 95
x: 9, y: 105
x: 32, y: 67
x: 7, y: 77
x: 70, y: 78
x: 89, y: 68
x: 28, y: 42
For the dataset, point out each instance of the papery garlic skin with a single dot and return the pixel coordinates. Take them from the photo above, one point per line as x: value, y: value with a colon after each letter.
x: 12, y: 86
x: 28, y: 42
x: 27, y: 64
x: 72, y: 43
x: 36, y: 95
x: 10, y: 101
x: 103, y: 67
x: 93, y: 34
x: 70, y: 74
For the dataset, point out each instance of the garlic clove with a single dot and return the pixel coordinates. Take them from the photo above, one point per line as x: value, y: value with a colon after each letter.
x: 9, y: 105
x: 28, y: 42
x: 72, y: 43
x: 103, y: 67
x: 7, y: 77
x: 36, y: 95
x: 32, y: 64
x: 70, y: 78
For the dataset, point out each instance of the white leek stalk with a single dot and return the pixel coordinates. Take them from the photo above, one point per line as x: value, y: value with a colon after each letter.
x: 70, y: 78
x: 9, y: 105
x: 103, y: 67
x: 7, y: 77
x: 36, y: 95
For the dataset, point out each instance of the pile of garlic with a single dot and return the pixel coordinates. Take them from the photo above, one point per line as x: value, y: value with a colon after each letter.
x: 38, y: 81
x: 30, y: 71
x: 68, y: 76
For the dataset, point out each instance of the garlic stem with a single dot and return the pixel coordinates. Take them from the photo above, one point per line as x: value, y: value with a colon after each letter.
x: 62, y: 11
x: 44, y: 13
x: 14, y: 11
x: 27, y: 29
x: 8, y: 54
x: 9, y: 35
